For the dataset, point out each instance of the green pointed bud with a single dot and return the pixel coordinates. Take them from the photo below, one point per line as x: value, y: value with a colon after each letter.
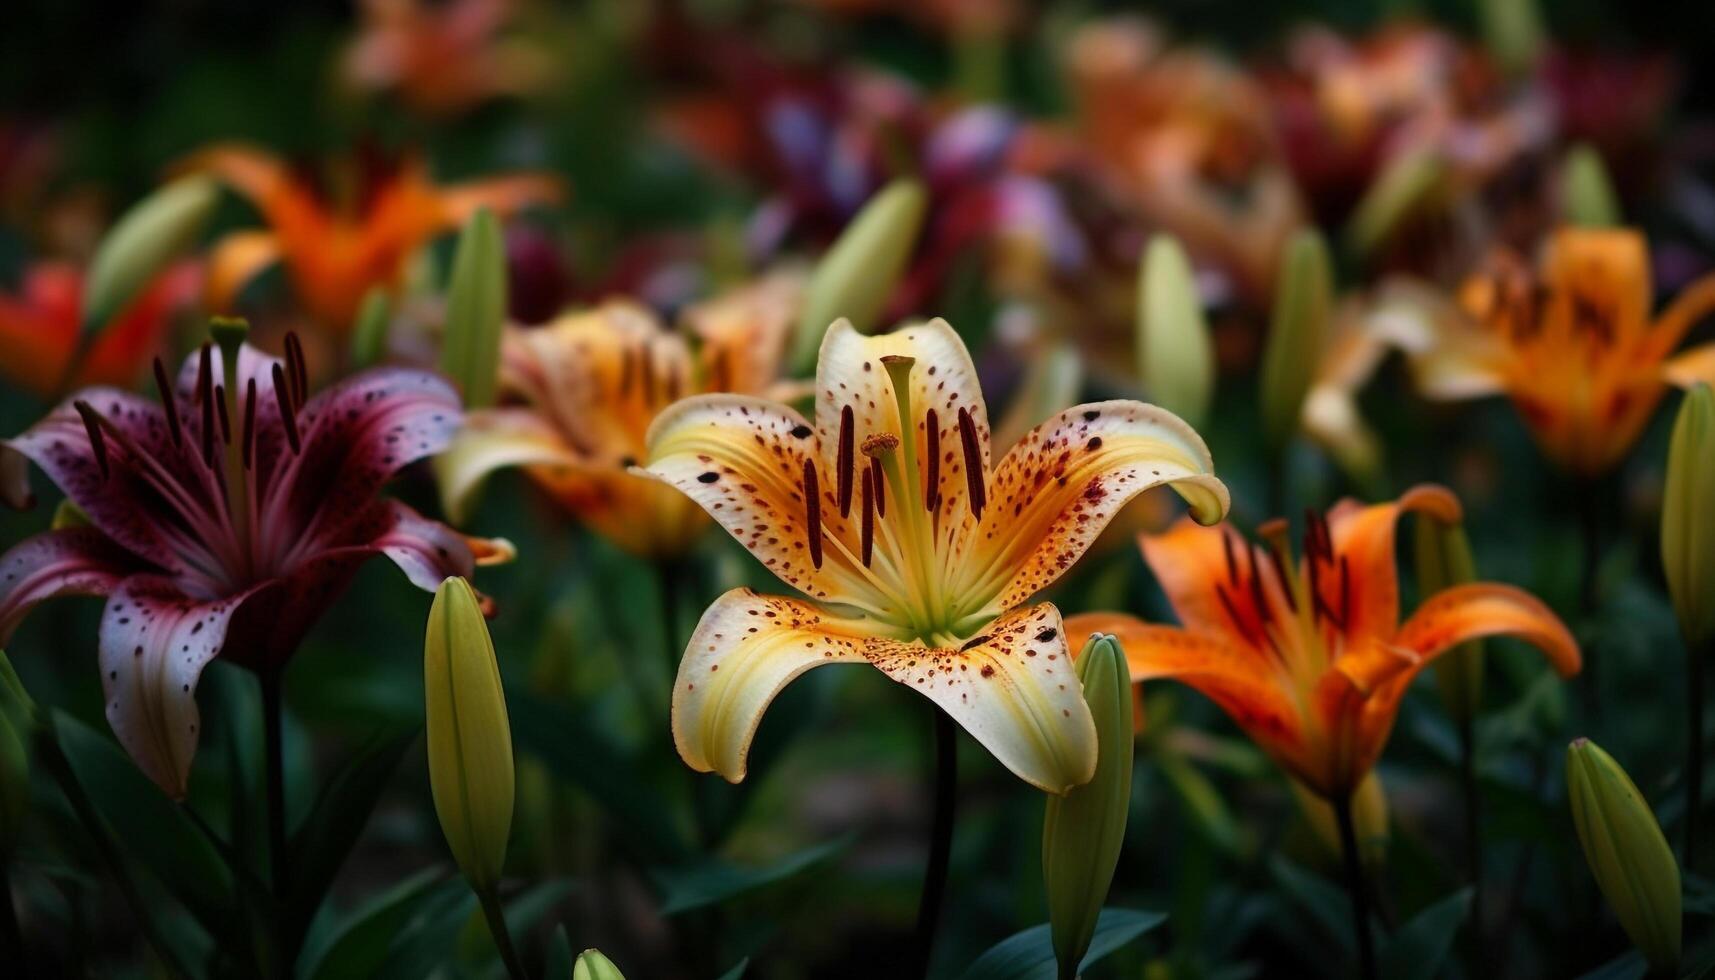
x: 1444, y: 560
x: 1303, y: 299
x: 1369, y: 818
x: 1082, y: 831
x: 141, y: 243
x: 1512, y: 31
x: 68, y: 514
x: 1626, y: 852
x: 1688, y: 515
x: 476, y: 311
x: 858, y: 273
x: 1586, y: 194
x: 592, y: 965
x: 369, y: 330
x: 1406, y: 186
x: 469, y: 739
x: 1176, y: 358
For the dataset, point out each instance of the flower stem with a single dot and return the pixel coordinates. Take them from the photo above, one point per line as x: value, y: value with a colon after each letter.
x: 940, y: 842
x: 1356, y: 886
x: 1589, y: 599
x: 276, y: 775
x: 496, y: 916
x: 1694, y: 654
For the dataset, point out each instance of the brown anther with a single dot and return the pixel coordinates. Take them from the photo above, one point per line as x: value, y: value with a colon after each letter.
x: 880, y: 487
x: 868, y: 516
x: 973, y: 463
x: 249, y: 450
x: 300, y: 376
x: 844, y: 463
x: 97, y: 442
x: 813, y: 512
x: 205, y: 393
x: 220, y: 410
x: 932, y: 454
x: 169, y: 402
x: 286, y: 414
x: 879, y: 444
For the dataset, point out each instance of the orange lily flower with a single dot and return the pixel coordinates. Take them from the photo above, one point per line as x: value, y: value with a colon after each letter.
x: 443, y: 58
x: 39, y: 328
x: 1574, y: 343
x: 1188, y: 138
x: 1309, y: 656
x: 335, y: 254
x: 578, y: 397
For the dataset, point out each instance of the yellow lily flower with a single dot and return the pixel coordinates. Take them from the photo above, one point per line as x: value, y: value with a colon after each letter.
x: 1572, y: 343
x: 578, y: 395
x: 334, y: 255
x: 915, y: 554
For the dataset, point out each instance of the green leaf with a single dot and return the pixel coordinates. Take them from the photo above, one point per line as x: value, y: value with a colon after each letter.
x: 1325, y: 902
x: 586, y: 756
x: 358, y: 946
x: 476, y: 310
x: 737, y: 970
x: 714, y: 880
x: 154, y: 830
x: 319, y: 847
x: 1418, y: 949
x: 1029, y: 955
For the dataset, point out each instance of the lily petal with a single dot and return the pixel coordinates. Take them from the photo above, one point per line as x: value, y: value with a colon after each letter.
x: 1220, y: 671
x: 155, y: 642
x: 1189, y: 561
x: 502, y: 195
x: 1014, y: 688
x: 1063, y: 482
x: 745, y: 650
x: 236, y: 260
x: 73, y: 561
x: 1363, y: 538
x: 1692, y: 365
x: 490, y: 440
x: 747, y: 462
x: 743, y: 333
x: 428, y: 552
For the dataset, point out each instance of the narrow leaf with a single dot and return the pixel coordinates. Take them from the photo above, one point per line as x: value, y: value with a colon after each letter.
x: 1417, y: 951
x: 714, y: 881
x: 1029, y: 955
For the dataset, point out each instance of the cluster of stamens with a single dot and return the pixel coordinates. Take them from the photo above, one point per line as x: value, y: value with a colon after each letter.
x: 1255, y: 620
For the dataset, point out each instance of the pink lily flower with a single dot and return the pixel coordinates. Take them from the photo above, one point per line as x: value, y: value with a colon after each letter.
x: 222, y: 521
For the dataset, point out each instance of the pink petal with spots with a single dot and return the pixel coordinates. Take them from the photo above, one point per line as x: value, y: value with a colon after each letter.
x: 74, y: 561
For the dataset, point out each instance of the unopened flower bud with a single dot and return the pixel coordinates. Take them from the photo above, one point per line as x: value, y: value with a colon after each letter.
x: 1626, y: 851
x: 856, y: 276
x: 141, y: 243
x: 1297, y: 332
x: 1082, y: 831
x: 592, y: 965
x: 476, y: 311
x: 1688, y: 515
x: 1176, y: 356
x: 469, y: 738
x: 1586, y: 194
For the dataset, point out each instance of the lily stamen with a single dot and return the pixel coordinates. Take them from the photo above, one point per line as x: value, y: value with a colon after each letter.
x: 248, y: 451
x: 973, y: 463
x: 932, y: 452
x: 169, y: 402
x: 845, y: 462
x: 205, y: 393
x: 813, y: 513
x: 92, y: 422
x: 868, y: 533
x: 288, y: 415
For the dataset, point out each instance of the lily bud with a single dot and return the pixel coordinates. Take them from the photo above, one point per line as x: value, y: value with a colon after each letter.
x: 469, y: 738
x: 1176, y: 357
x: 1444, y: 560
x: 592, y: 965
x: 1082, y: 831
x: 856, y: 276
x: 141, y: 243
x: 1586, y: 194
x: 1513, y: 32
x: 1688, y: 515
x: 476, y: 310
x: 1369, y: 818
x: 1406, y: 186
x: 1297, y: 331
x: 1626, y: 851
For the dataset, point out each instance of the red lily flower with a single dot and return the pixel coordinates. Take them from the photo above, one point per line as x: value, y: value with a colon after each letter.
x: 39, y: 327
x: 221, y: 525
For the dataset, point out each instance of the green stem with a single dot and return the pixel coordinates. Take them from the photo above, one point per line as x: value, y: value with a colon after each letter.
x: 940, y: 842
x: 1694, y: 654
x: 1589, y: 598
x: 496, y: 916
x: 274, y: 750
x: 1356, y: 887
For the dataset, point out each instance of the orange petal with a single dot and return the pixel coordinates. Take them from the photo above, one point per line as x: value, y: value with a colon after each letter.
x: 502, y: 195
x: 233, y: 263
x: 744, y: 331
x: 1190, y: 562
x: 1364, y: 540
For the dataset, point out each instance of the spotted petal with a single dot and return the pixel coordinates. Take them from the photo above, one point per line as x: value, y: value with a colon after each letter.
x: 73, y: 561
x: 491, y: 440
x: 1057, y: 489
x: 1014, y: 688
x: 155, y: 642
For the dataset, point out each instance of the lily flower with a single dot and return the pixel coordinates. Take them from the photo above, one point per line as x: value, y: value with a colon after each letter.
x: 912, y: 552
x: 1308, y: 655
x: 221, y: 522
x: 444, y: 58
x: 1573, y: 343
x: 39, y: 328
x: 334, y: 252
x: 577, y: 398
